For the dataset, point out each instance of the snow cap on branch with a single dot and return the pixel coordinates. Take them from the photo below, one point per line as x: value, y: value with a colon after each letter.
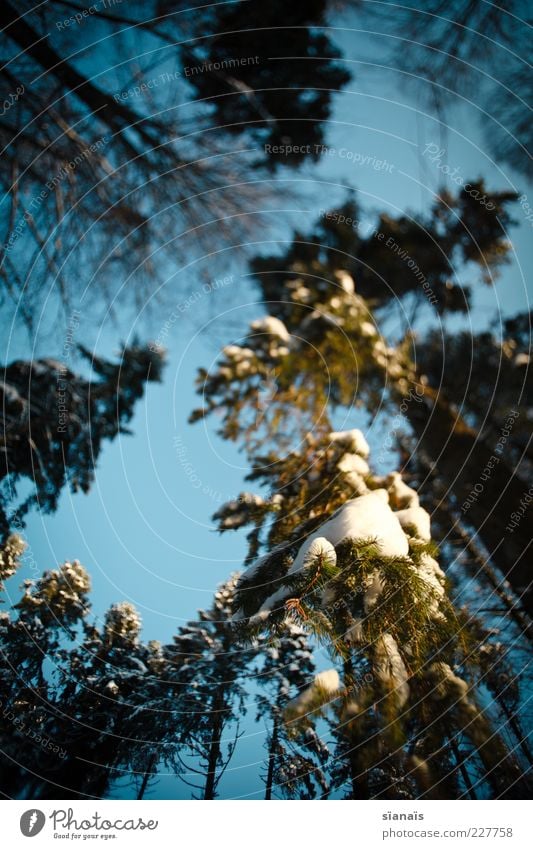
x: 325, y: 686
x: 417, y: 518
x: 366, y: 517
x: 390, y: 669
x: 353, y: 440
x: 273, y: 326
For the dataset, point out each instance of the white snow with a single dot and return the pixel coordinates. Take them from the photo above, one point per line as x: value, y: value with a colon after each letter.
x: 353, y: 464
x: 239, y: 515
x: 301, y: 294
x: 346, y: 282
x: 367, y: 329
x: 271, y: 325
x: 324, y: 683
x: 354, y: 634
x: 419, y: 518
x: 328, y: 680
x: 365, y: 517
x: 373, y: 591
x: 235, y: 352
x: 390, y: 668
x: 353, y: 440
x: 318, y: 547
x: 430, y: 571
x: 447, y: 681
x: 401, y: 495
x: 429, y: 565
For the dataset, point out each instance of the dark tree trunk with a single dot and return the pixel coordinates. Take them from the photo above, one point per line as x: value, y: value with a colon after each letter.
x: 271, y: 760
x: 147, y: 775
x: 214, y: 747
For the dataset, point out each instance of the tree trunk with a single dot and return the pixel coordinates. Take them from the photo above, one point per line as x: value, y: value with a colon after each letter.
x: 271, y: 760
x: 214, y: 748
x: 146, y: 777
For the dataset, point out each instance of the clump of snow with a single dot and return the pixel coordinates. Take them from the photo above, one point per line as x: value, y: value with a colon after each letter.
x: 400, y: 495
x: 374, y: 588
x: 235, y: 352
x: 354, y: 467
x: 390, y: 669
x: 346, y: 282
x: 354, y: 634
x: 418, y: 518
x: 271, y: 325
x: 430, y: 571
x: 353, y: 440
x: 430, y: 566
x: 325, y: 684
x: 365, y: 517
x: 318, y: 547
x: 299, y: 291
x: 234, y: 514
x: 328, y: 681
x: 447, y: 683
x: 367, y: 329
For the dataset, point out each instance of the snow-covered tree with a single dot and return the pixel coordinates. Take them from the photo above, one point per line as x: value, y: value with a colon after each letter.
x: 349, y: 554
x: 55, y: 421
x: 402, y: 265
x: 69, y: 687
x: 204, y: 671
x: 296, y: 759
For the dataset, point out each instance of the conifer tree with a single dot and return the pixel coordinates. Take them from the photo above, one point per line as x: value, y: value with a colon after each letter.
x: 202, y: 696
x: 399, y: 265
x: 69, y: 688
x: 349, y: 554
x: 296, y: 761
x: 55, y: 421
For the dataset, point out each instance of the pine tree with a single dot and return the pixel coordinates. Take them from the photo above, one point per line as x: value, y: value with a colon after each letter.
x: 296, y: 761
x: 69, y: 688
x: 85, y: 706
x: 401, y: 264
x: 204, y: 672
x: 349, y: 554
x: 55, y: 421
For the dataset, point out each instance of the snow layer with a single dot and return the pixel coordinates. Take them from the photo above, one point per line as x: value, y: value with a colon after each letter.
x: 353, y: 464
x: 354, y: 634
x: 271, y: 325
x: 318, y: 547
x: 353, y: 440
x: 346, y: 282
x: 366, y: 517
x: 401, y: 495
x: 373, y: 591
x: 419, y: 518
x: 390, y: 668
x: 324, y: 683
